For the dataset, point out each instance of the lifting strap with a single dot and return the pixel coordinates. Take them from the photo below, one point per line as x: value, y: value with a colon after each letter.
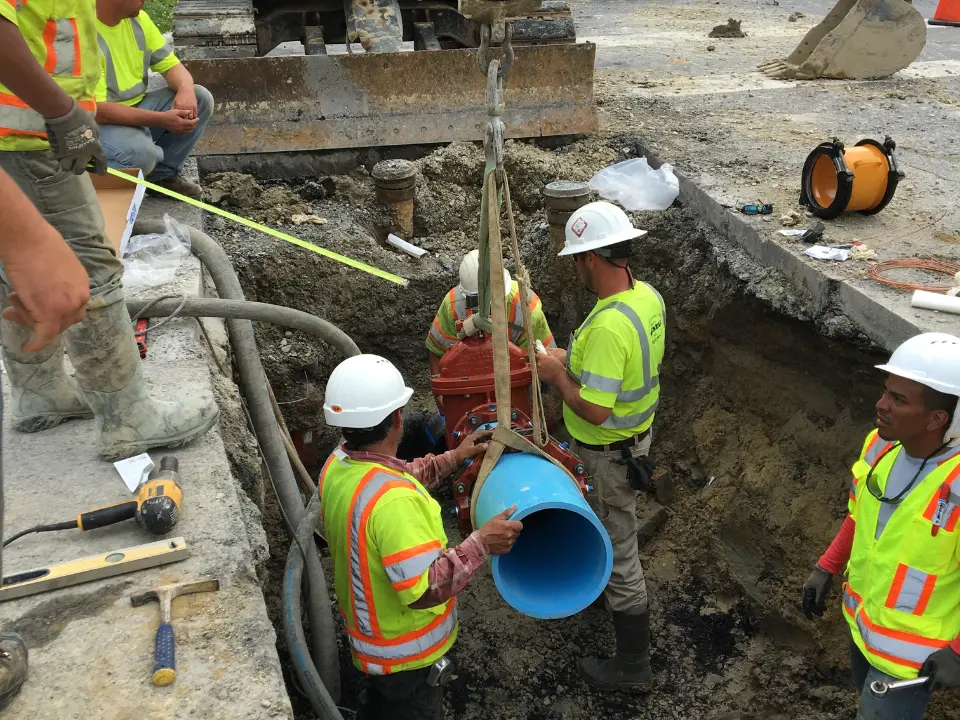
x: 492, y: 317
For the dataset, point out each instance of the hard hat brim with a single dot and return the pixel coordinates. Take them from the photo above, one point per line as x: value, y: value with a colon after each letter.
x: 604, y: 242
x: 945, y: 388
x: 367, y: 417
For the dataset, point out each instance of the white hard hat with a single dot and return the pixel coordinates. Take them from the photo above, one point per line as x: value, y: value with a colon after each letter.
x: 597, y: 225
x: 931, y: 359
x: 470, y: 274
x: 362, y: 391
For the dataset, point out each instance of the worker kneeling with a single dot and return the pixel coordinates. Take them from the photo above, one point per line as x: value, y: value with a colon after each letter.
x: 608, y: 378
x: 395, y: 577
x: 157, y: 130
x: 900, y: 543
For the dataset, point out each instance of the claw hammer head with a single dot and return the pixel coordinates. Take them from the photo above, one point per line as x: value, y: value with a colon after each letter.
x: 166, y: 593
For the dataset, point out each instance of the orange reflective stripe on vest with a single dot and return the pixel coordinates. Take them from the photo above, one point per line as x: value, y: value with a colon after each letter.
x: 63, y: 49
x: 366, y: 639
x: 18, y: 118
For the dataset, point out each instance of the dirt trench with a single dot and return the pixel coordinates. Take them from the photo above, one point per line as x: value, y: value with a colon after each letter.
x: 760, y: 419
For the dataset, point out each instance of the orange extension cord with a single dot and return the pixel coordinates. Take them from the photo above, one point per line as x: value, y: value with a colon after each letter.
x: 875, y: 272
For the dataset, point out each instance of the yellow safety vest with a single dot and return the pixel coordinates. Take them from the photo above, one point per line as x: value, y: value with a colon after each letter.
x: 902, y: 595
x: 443, y: 332
x: 62, y: 35
x: 615, y: 355
x: 384, y: 531
x: 131, y: 48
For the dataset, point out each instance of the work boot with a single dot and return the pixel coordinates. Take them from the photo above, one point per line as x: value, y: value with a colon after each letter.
x: 13, y: 666
x: 179, y: 184
x: 104, y: 352
x: 42, y: 393
x: 629, y: 669
x: 377, y: 24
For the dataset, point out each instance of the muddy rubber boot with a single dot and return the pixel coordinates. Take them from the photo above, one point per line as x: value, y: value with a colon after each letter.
x: 13, y: 666
x: 629, y: 669
x: 42, y: 393
x: 104, y: 352
x: 377, y: 24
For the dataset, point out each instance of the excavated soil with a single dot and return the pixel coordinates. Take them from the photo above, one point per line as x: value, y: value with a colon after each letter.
x: 761, y: 417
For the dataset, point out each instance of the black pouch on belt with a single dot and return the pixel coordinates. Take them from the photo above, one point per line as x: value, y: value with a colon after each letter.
x: 639, y: 470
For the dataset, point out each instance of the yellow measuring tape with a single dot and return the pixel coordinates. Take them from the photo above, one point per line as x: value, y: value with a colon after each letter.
x: 264, y: 229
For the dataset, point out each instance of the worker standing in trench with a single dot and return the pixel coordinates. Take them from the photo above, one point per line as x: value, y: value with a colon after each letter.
x: 50, y: 290
x: 395, y: 578
x: 609, y: 380
x: 900, y: 543
x: 49, y: 68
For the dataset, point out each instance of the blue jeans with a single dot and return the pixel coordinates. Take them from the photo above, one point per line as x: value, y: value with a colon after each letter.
x: 159, y: 153
x: 906, y: 704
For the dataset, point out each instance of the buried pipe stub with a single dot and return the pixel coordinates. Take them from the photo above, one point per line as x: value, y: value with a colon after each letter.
x: 563, y: 198
x: 837, y: 179
x: 395, y: 183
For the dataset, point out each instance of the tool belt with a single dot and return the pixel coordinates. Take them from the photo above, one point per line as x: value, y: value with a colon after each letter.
x: 627, y: 443
x: 639, y: 469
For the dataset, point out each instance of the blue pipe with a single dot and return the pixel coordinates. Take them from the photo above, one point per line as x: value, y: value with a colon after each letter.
x: 562, y: 559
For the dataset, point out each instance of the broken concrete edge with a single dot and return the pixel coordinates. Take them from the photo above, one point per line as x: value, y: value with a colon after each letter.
x: 824, y: 296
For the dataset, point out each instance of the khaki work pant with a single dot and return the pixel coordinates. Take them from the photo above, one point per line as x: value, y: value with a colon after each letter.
x: 617, y: 510
x: 69, y: 203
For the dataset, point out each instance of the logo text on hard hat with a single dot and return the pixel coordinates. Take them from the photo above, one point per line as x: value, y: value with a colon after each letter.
x: 579, y: 226
x: 336, y: 408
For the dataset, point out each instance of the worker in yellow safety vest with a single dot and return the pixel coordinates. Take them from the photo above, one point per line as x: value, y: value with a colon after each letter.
x: 462, y: 302
x: 154, y: 130
x: 609, y: 379
x: 49, y: 68
x: 900, y: 543
x: 395, y: 577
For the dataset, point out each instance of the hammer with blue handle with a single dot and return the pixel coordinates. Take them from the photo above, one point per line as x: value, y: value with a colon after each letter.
x: 165, y: 666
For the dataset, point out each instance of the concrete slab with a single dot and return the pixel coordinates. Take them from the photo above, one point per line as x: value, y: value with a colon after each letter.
x: 91, y: 653
x: 736, y: 136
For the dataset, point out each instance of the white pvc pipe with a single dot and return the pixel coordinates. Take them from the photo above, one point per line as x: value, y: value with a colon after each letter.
x: 935, y: 301
x: 405, y: 246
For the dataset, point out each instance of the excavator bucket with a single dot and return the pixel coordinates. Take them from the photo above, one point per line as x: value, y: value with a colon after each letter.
x: 327, y: 102
x: 858, y: 40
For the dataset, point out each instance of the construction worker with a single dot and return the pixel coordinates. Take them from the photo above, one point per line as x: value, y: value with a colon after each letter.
x: 49, y: 66
x: 608, y: 378
x: 50, y: 293
x: 152, y: 130
x: 900, y: 543
x: 463, y: 300
x: 395, y: 577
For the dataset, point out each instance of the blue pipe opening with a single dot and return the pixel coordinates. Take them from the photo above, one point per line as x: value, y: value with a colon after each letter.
x: 562, y: 559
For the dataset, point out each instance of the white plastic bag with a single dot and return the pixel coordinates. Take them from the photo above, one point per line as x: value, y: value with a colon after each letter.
x: 151, y: 260
x: 636, y: 185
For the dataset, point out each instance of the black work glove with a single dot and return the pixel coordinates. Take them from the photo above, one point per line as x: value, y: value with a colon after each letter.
x: 75, y: 140
x: 943, y: 669
x: 815, y: 591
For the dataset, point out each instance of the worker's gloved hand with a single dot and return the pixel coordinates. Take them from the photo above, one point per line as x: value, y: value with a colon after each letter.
x: 815, y: 591
x: 75, y: 140
x: 473, y: 444
x: 499, y: 533
x: 943, y: 669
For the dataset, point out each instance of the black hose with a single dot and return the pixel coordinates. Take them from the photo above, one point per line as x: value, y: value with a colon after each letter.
x: 248, y: 310
x: 307, y: 676
x: 254, y: 387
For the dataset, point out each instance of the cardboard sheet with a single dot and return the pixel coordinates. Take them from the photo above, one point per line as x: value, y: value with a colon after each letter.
x: 120, y: 202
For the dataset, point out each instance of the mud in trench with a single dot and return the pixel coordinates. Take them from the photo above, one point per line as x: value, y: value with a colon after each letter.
x: 761, y: 416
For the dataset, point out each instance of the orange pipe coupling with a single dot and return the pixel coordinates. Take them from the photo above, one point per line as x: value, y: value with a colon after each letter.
x: 838, y: 179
